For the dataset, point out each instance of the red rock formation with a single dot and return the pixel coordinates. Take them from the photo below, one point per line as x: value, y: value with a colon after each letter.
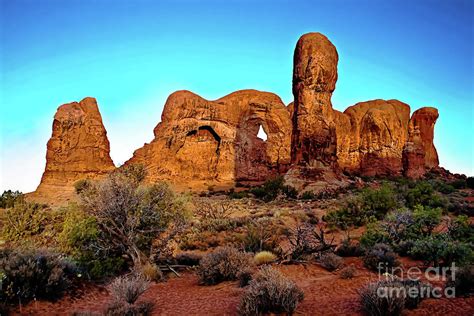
x: 377, y: 133
x: 419, y: 154
x: 314, y: 80
x: 77, y: 149
x: 200, y: 142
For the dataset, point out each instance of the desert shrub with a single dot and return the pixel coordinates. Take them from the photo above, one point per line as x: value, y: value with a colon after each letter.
x: 348, y: 272
x: 470, y: 182
x: 238, y: 195
x: 9, y: 198
x: 264, y: 257
x: 459, y: 228
x: 374, y: 234
x: 23, y: 221
x: 414, y: 291
x: 188, y: 259
x: 362, y: 208
x: 426, y: 219
x: 391, y: 304
x: 424, y: 194
x: 330, y: 261
x: 223, y: 264
x: 440, y: 249
x: 125, y: 292
x: 130, y: 216
x: 151, y: 272
x: 307, y: 195
x: 269, y: 190
x: 289, y: 192
x: 306, y: 239
x: 380, y: 258
x: 443, y: 187
x: 261, y: 236
x: 31, y: 275
x: 82, y: 185
x: 78, y: 238
x: 459, y: 184
x: 349, y: 248
x: 462, y: 281
x: 270, y: 292
x: 245, y: 276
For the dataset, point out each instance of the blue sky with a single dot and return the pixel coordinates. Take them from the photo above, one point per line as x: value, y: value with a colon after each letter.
x: 131, y: 55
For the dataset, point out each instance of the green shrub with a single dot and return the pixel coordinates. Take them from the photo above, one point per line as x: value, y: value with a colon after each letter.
x: 23, y: 221
x: 459, y: 184
x: 238, y: 195
x: 380, y: 258
x: 270, y: 292
x: 269, y: 190
x: 307, y: 195
x: 78, y: 238
x: 9, y: 198
x: 426, y: 219
x: 349, y: 248
x: 460, y: 229
x: 223, y: 264
x: 359, y: 210
x: 28, y: 276
x: 374, y: 234
x: 441, y: 250
x: 423, y: 194
x: 290, y: 192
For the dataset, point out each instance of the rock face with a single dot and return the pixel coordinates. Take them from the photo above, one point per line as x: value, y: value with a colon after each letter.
x: 373, y: 142
x: 419, y: 153
x: 368, y: 138
x: 314, y: 80
x: 77, y: 149
x: 201, y: 143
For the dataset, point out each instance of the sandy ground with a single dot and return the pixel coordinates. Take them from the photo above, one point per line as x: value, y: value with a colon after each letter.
x: 325, y: 294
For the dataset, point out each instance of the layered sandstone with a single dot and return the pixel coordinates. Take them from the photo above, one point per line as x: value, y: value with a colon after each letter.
x: 201, y: 143
x: 78, y: 149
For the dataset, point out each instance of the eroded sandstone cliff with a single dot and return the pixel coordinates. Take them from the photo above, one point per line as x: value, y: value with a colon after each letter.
x: 201, y: 143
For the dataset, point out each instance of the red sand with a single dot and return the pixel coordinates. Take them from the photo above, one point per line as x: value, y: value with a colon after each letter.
x: 325, y: 294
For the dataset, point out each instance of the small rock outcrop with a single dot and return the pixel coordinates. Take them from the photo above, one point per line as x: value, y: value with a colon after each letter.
x: 78, y: 149
x: 201, y: 143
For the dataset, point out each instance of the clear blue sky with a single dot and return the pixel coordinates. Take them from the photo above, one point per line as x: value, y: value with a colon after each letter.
x: 131, y: 55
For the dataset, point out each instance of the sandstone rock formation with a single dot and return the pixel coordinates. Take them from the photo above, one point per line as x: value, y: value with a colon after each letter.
x: 201, y: 143
x: 77, y: 149
x: 314, y: 80
x: 419, y: 153
x: 367, y: 139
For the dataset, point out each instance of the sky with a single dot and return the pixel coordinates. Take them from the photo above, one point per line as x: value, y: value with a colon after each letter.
x: 130, y: 55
